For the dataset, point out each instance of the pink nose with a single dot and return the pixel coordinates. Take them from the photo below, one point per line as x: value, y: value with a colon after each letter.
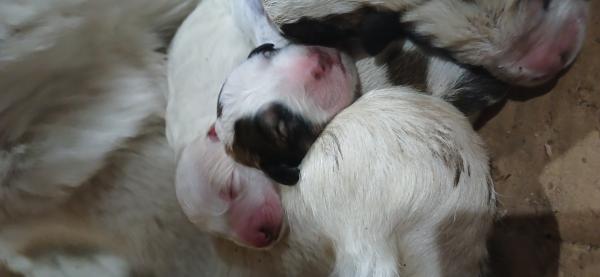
x: 550, y: 47
x: 258, y: 226
x: 266, y: 234
x: 545, y: 63
x: 263, y: 229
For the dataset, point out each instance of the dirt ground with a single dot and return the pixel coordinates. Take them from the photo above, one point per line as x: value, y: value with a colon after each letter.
x: 545, y: 148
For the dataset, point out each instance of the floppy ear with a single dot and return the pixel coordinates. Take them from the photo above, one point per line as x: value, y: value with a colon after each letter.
x: 317, y: 32
x: 203, y: 179
x: 277, y: 122
x: 283, y: 174
x: 275, y: 140
x: 289, y: 136
x: 378, y: 29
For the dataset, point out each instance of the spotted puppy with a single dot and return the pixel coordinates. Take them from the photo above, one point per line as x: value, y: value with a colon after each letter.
x: 521, y: 42
x: 274, y: 105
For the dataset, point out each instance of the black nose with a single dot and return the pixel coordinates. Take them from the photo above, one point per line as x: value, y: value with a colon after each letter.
x: 265, y: 48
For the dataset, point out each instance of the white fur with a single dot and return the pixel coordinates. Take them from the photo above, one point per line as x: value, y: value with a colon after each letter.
x: 384, y: 155
x: 251, y: 19
x: 73, y: 91
x: 55, y: 250
x: 196, y: 73
x: 82, y: 128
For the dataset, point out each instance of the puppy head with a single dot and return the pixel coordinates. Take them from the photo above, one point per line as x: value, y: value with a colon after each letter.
x: 274, y: 105
x: 521, y: 42
x: 225, y: 198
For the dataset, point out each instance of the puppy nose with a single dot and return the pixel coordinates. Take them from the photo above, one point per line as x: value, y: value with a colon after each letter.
x: 267, y: 234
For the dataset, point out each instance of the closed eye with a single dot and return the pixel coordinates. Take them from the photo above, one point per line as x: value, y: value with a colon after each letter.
x: 269, y: 54
x: 267, y: 50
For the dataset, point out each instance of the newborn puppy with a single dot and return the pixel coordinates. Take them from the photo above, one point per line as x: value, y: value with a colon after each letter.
x: 217, y: 194
x: 228, y: 199
x: 275, y: 104
x: 521, y: 42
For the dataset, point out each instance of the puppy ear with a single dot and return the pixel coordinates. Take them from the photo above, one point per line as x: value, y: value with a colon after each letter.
x: 277, y: 121
x: 379, y: 29
x: 318, y: 32
x: 275, y: 140
x: 283, y: 174
x: 291, y: 137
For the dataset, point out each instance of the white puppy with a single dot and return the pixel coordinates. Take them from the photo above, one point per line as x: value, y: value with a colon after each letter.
x: 239, y: 203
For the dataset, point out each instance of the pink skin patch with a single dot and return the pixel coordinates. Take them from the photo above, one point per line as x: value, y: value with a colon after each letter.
x: 550, y: 54
x: 212, y: 134
x: 326, y: 81
x: 257, y: 219
x: 541, y: 54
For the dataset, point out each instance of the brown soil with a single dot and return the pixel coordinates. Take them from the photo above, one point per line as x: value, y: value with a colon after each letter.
x: 545, y: 148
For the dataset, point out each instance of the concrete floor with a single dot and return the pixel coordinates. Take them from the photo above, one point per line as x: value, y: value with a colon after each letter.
x: 546, y: 158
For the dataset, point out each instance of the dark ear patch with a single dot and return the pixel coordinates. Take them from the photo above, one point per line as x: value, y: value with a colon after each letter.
x: 330, y: 30
x: 283, y: 174
x: 378, y: 30
x: 275, y: 140
x: 374, y: 27
x: 277, y: 122
x: 312, y: 31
